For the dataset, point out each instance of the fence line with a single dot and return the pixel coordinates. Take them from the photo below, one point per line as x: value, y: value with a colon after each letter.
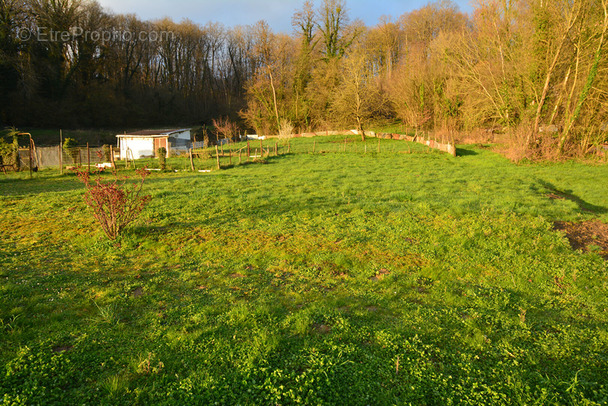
x: 259, y: 147
x: 421, y: 139
x: 48, y: 157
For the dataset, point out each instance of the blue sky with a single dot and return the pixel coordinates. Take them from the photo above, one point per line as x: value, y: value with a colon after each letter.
x: 243, y: 12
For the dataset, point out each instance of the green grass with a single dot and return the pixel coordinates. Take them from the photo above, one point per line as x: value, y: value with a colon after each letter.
x: 405, y: 276
x: 391, y: 127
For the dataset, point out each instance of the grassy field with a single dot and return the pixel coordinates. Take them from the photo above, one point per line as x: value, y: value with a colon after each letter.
x: 400, y: 277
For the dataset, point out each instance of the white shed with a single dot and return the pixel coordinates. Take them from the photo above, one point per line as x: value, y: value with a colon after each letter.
x: 144, y: 144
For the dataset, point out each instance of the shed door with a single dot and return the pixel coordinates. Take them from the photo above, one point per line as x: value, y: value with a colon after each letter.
x: 160, y: 143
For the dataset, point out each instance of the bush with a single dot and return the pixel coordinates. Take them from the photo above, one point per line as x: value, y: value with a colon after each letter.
x: 106, y: 153
x: 286, y: 129
x: 9, y: 148
x: 225, y: 129
x: 115, y: 204
x: 71, y: 147
x: 162, y: 157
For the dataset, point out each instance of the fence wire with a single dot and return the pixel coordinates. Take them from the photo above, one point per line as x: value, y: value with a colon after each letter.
x: 49, y: 157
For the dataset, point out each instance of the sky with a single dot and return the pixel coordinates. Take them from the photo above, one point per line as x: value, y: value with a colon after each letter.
x: 246, y: 12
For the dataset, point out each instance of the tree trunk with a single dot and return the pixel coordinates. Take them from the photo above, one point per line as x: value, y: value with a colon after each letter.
x: 274, y: 98
x: 571, y: 20
x: 588, y: 83
x: 360, y: 128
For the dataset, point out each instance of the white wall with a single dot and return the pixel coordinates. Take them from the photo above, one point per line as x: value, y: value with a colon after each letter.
x: 138, y: 146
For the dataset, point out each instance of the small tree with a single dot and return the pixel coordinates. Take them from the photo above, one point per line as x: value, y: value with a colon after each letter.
x: 115, y: 204
x: 205, y: 138
x: 358, y: 99
x: 286, y: 129
x: 105, y: 149
x: 70, y: 145
x: 9, y: 148
x: 162, y: 157
x: 225, y: 128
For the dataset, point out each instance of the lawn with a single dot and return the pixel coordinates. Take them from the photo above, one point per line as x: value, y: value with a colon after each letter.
x: 346, y: 276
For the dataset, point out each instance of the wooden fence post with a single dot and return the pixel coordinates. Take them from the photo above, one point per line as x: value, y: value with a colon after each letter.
x: 191, y: 161
x: 248, y: 150
x: 31, y: 160
x: 112, y: 158
x: 276, y: 149
x: 61, y: 150
x: 240, y: 151
x: 217, y: 156
x: 230, y: 155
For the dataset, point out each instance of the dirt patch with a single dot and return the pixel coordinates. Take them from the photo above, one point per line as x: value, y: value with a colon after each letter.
x: 62, y: 348
x: 585, y: 234
x: 322, y: 328
x: 138, y: 292
x: 380, y: 275
x: 237, y: 275
x: 555, y: 197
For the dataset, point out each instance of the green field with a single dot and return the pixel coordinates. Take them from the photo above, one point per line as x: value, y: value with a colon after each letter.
x: 340, y: 277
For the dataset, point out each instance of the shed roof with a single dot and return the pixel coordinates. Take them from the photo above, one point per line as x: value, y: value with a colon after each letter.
x: 153, y: 133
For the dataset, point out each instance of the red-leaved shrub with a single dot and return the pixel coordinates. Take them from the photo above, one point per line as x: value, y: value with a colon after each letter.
x: 115, y: 203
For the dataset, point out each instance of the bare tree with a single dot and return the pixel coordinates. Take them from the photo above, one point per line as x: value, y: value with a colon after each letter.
x: 336, y: 32
x: 357, y: 99
x: 225, y: 128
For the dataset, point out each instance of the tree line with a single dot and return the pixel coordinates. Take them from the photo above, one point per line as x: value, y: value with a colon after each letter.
x: 534, y: 69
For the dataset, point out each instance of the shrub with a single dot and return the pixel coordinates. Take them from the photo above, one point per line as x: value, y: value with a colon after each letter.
x: 225, y: 129
x: 286, y: 129
x: 9, y: 148
x: 162, y: 157
x: 71, y: 147
x: 115, y: 204
x: 106, y: 153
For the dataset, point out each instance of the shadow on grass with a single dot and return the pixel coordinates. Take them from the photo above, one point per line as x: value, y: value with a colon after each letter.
x: 155, y: 231
x: 465, y: 152
x: 584, y: 207
x: 37, y: 185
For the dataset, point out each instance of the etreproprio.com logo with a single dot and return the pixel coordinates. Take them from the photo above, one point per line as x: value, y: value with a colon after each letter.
x: 44, y: 34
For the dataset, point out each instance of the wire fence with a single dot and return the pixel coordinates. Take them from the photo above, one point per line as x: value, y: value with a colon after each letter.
x: 229, y: 154
x: 261, y: 149
x: 54, y: 157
